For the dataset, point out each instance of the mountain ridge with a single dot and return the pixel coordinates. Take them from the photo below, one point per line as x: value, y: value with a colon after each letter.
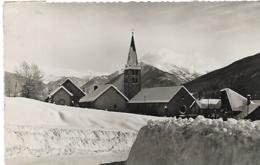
x: 242, y: 76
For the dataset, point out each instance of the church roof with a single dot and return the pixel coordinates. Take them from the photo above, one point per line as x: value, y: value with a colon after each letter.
x: 132, y: 55
x: 155, y: 95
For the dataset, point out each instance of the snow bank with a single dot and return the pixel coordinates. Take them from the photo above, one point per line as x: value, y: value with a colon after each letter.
x: 22, y: 111
x: 38, y: 129
x: 24, y: 141
x: 200, y: 141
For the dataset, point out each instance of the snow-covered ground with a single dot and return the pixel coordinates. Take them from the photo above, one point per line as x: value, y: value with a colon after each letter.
x: 199, y: 142
x: 43, y: 133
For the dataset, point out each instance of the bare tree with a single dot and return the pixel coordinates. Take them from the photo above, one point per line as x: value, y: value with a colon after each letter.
x: 33, y: 86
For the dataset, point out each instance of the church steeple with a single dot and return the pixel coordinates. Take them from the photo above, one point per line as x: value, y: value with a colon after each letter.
x: 132, y: 55
x: 132, y: 72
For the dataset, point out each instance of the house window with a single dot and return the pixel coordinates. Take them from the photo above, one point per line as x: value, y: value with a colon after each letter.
x: 115, y: 106
x: 134, y: 80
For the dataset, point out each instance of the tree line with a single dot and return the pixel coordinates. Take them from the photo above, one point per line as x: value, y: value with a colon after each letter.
x: 29, y: 78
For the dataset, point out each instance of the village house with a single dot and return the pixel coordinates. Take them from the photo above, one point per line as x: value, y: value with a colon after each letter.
x: 162, y: 101
x: 68, y: 93
x: 106, y: 97
x: 238, y: 106
x: 60, y: 96
x: 206, y: 107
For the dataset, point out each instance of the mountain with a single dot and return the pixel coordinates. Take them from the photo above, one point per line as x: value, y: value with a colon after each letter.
x: 243, y: 76
x: 151, y: 77
x: 100, y: 80
x: 78, y: 81
x: 183, y: 73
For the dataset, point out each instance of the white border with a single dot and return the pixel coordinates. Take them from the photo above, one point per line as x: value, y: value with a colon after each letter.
x: 61, y: 1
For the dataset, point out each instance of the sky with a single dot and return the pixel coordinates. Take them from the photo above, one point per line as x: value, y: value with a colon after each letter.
x: 80, y: 39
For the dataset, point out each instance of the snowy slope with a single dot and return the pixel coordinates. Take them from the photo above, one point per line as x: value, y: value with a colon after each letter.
x: 35, y: 129
x: 199, y: 142
x: 182, y: 73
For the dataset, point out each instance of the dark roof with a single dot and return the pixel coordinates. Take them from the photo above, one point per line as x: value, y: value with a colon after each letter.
x: 157, y: 94
x: 68, y: 79
x: 98, y: 92
x: 256, y: 101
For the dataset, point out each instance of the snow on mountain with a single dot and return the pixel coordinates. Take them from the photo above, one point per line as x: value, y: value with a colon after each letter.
x: 42, y: 132
x: 201, y: 141
x: 182, y: 73
x: 50, y: 77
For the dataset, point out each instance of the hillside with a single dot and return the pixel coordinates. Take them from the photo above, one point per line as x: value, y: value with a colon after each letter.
x: 242, y: 76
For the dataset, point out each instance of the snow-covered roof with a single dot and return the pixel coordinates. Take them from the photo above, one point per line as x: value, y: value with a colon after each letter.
x: 256, y: 101
x: 157, y: 94
x: 209, y: 103
x: 239, y: 103
x: 68, y: 79
x: 236, y: 100
x: 59, y: 88
x: 98, y: 92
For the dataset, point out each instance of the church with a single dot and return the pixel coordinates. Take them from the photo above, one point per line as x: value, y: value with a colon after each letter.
x: 159, y: 101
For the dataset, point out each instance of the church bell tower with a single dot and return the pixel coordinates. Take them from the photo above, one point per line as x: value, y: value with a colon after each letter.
x: 132, y: 72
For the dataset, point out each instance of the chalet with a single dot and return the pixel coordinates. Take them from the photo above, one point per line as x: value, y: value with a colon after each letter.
x: 60, y: 96
x: 162, y: 101
x: 106, y: 97
x: 238, y: 106
x: 206, y: 107
x: 67, y: 93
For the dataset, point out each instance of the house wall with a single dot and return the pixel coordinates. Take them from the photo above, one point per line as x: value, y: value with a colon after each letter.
x: 158, y: 109
x: 154, y: 109
x: 178, y: 101
x: 111, y: 100
x: 61, y: 95
x: 77, y: 94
